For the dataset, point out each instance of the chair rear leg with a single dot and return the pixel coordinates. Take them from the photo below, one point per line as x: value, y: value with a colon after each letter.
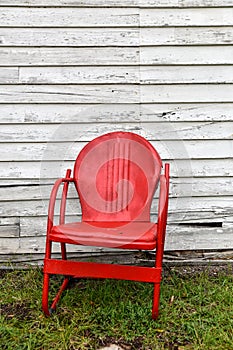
x: 63, y: 251
x: 58, y: 296
x: 156, y: 297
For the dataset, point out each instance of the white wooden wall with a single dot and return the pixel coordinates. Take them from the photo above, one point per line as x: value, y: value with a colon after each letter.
x: 73, y: 69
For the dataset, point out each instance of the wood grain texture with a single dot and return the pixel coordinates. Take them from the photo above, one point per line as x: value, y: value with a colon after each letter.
x: 117, y: 3
x: 69, y: 113
x: 69, y: 17
x: 71, y: 70
x: 180, y: 187
x: 70, y: 93
x: 123, y: 75
x: 186, y: 75
x: 183, y: 93
x: 28, y: 172
x: 177, y: 239
x: 186, y: 17
x: 86, y: 132
x: 168, y: 149
x: 186, y: 55
x: 81, y: 75
x: 59, y: 56
x: 180, y: 208
x: 9, y: 75
x: 120, y: 17
x: 75, y: 37
x: 187, y: 93
x: 70, y: 3
x: 114, y: 113
x: 186, y: 36
x: 101, y: 37
x: 185, y: 3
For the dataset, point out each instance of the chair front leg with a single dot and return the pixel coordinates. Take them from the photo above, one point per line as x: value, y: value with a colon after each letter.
x: 156, y: 298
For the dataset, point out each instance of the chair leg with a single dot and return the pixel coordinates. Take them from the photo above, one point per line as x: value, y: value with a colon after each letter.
x: 45, y: 294
x: 63, y: 251
x: 58, y: 296
x: 156, y: 297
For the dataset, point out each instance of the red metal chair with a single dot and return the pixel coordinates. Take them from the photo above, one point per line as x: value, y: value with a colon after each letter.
x: 115, y: 176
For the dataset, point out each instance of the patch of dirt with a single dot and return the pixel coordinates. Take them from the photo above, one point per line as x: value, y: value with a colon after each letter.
x: 3, y: 273
x: 16, y: 310
x: 110, y: 343
x: 136, y: 344
x: 209, y: 270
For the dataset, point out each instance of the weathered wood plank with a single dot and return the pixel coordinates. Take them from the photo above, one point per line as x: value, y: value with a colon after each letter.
x: 171, y: 258
x: 102, y: 113
x: 25, y: 260
x: 9, y: 227
x: 85, y: 75
x: 9, y: 75
x: 8, y: 231
x: 180, y: 187
x: 70, y: 94
x: 85, y: 132
x: 187, y: 93
x: 169, y: 149
x: 69, y: 17
x: 181, y: 209
x: 124, y: 75
x: 33, y: 245
x: 195, y: 238
x: 186, y: 36
x: 182, y: 93
x: 186, y: 17
x: 70, y: 3
x: 184, y: 3
x: 177, y: 238
x: 206, y: 186
x: 120, y: 17
x: 36, y: 226
x: 12, y: 221
x: 182, y: 75
x: 57, y: 56
x: 187, y: 112
x: 69, y: 37
x: 185, y: 55
x: 116, y: 36
x: 118, y: 3
x: 15, y: 173
x: 70, y: 113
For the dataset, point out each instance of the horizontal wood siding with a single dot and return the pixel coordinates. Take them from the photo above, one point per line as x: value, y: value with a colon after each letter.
x: 72, y: 70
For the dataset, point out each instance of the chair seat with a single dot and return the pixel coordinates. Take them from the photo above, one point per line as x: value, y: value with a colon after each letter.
x: 126, y: 235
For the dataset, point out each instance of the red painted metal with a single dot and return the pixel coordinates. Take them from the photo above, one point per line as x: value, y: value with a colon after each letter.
x: 116, y: 176
x: 126, y: 235
x: 97, y: 270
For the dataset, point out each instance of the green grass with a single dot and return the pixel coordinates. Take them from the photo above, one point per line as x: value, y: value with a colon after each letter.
x: 196, y: 313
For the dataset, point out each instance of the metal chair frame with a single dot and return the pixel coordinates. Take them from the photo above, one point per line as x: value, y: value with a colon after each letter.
x: 79, y: 269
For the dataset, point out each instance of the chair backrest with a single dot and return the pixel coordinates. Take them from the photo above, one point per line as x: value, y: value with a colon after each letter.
x: 116, y: 175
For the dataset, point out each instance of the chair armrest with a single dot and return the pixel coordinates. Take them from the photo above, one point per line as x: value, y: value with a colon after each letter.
x: 53, y: 197
x: 163, y: 205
